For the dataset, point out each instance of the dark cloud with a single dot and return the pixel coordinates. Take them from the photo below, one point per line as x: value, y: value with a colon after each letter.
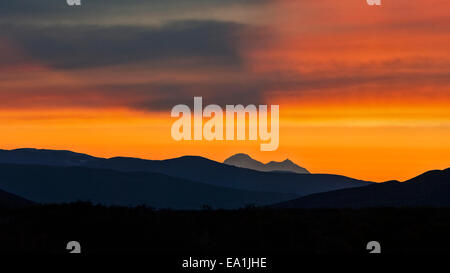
x: 62, y: 40
x: 51, y: 6
x: 108, y: 11
x: 165, y: 95
x: 162, y: 95
x: 292, y: 82
x: 172, y: 36
x: 69, y: 47
x: 158, y: 96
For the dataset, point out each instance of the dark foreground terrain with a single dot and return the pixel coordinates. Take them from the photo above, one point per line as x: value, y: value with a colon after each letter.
x: 101, y: 229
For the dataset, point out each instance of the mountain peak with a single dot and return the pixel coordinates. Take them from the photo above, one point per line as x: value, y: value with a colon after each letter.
x: 240, y: 155
x: 43, y: 157
x: 245, y: 161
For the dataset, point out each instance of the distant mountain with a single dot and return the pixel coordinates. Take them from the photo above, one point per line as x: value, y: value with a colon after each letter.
x: 214, y: 173
x: 431, y: 189
x: 8, y: 200
x: 44, y: 157
x: 245, y: 161
x: 198, y: 169
x: 50, y: 184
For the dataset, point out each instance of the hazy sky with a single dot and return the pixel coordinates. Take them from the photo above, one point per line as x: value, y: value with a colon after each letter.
x: 363, y: 91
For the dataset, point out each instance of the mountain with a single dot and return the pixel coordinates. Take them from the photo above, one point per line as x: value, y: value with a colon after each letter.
x: 245, y: 161
x: 44, y: 157
x: 8, y: 200
x: 200, y: 169
x: 431, y: 189
x: 50, y: 184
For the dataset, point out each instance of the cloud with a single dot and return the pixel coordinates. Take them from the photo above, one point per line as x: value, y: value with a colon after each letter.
x: 75, y: 52
x: 68, y: 47
x: 165, y: 96
x: 152, y: 67
x: 120, y: 12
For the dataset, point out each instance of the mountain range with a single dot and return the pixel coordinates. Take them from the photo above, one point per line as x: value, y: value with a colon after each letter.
x: 431, y: 189
x: 245, y: 161
x: 29, y: 176
x: 50, y: 184
x: 48, y: 176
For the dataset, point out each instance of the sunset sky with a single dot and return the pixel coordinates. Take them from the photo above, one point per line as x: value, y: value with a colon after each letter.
x: 364, y: 91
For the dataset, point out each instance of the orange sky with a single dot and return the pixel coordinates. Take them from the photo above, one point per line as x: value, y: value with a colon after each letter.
x: 363, y: 92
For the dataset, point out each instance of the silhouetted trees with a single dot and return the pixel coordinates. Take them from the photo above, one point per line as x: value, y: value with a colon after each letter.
x: 142, y: 229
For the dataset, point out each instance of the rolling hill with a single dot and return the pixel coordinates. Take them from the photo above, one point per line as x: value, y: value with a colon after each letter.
x: 431, y: 189
x: 192, y: 168
x: 50, y: 184
x: 8, y: 200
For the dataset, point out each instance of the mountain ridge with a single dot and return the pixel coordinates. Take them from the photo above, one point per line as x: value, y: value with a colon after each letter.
x: 199, y: 169
x: 245, y: 161
x: 430, y: 189
x: 9, y: 200
x: 56, y: 184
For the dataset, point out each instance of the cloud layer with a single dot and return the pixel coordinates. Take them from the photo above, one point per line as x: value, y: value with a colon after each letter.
x: 151, y: 55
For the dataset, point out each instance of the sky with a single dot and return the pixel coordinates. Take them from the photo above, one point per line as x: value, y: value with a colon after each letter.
x: 364, y: 91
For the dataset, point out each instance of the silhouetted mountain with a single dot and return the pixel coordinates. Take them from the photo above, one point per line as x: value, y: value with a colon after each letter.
x: 44, y: 157
x: 214, y: 173
x: 50, y: 184
x: 431, y: 189
x: 210, y: 172
x: 8, y: 200
x: 245, y: 161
